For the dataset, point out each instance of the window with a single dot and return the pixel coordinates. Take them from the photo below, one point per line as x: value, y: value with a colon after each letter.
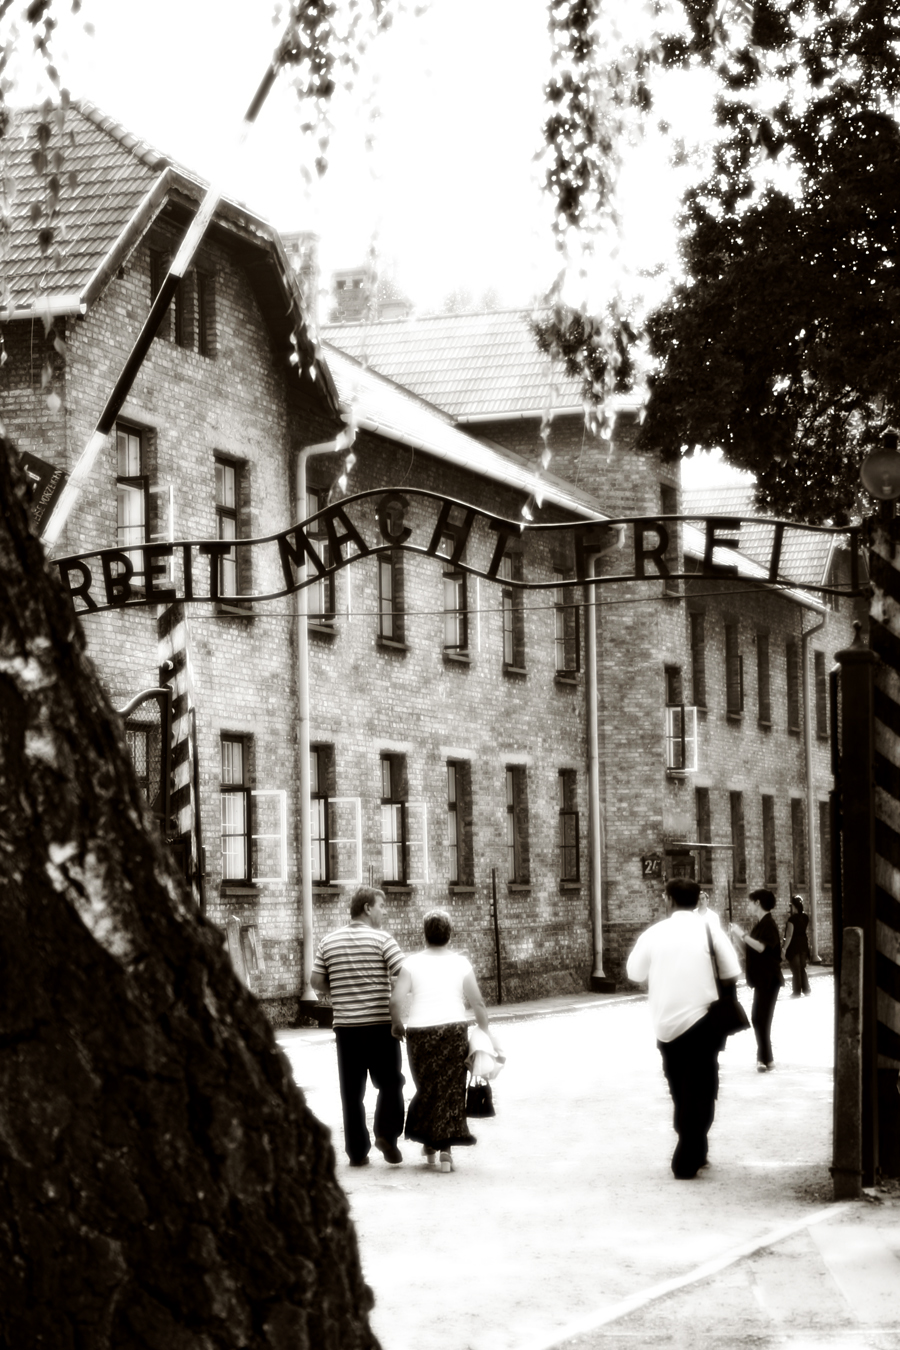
x: 460, y: 867
x: 681, y: 739
x: 763, y: 679
x: 227, y: 524
x: 513, y: 612
x: 321, y: 776
x: 681, y: 725
x: 235, y: 799
x: 132, y: 495
x: 393, y: 819
x: 569, y: 856
x: 698, y: 656
x: 674, y: 686
x: 669, y: 503
x: 183, y: 313
x: 159, y: 267
x: 734, y: 672
x: 568, y: 645
x: 798, y: 841
x: 738, y: 840
x: 453, y: 825
x: 770, y: 859
x: 821, y: 679
x: 517, y: 863
x: 825, y: 841
x: 704, y: 836
x: 320, y: 602
x: 391, y: 625
x: 206, y: 314
x: 456, y: 616
x: 792, y: 671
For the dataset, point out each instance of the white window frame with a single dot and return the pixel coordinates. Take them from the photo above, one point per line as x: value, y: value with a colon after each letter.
x: 681, y: 738
x: 281, y: 794
x: 167, y: 534
x: 422, y: 843
x: 356, y: 839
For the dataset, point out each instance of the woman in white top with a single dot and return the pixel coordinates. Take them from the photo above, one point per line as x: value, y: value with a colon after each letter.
x: 437, y: 983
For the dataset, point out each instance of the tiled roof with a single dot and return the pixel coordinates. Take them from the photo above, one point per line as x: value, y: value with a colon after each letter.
x: 805, y: 554
x: 113, y: 173
x: 383, y: 407
x: 473, y: 365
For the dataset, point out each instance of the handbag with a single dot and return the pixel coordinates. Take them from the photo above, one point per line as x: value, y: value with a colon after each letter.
x: 479, y: 1098
x: 726, y: 1015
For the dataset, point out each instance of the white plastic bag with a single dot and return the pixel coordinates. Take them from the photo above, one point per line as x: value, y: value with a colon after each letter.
x: 483, y: 1059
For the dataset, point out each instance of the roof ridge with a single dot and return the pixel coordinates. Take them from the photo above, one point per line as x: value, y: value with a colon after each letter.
x: 141, y: 149
x: 418, y: 318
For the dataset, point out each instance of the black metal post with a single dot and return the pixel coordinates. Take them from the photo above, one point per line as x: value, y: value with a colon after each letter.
x: 496, y: 933
x: 857, y: 880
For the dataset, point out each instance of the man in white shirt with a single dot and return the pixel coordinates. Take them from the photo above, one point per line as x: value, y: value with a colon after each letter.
x: 673, y: 957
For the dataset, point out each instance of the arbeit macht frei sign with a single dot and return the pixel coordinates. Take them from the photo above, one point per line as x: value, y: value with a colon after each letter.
x: 188, y: 570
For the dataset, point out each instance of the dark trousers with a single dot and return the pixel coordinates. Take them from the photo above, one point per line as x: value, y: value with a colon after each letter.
x: 799, y: 977
x: 362, y: 1051
x: 761, y: 1014
x: 691, y: 1066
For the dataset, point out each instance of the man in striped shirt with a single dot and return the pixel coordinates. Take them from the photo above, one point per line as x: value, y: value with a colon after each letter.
x: 356, y: 965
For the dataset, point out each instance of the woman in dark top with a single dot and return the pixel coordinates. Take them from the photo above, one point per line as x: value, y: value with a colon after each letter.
x: 763, y: 947
x: 796, y: 947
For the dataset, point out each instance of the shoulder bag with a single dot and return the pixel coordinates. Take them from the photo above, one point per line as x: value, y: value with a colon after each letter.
x: 725, y: 1015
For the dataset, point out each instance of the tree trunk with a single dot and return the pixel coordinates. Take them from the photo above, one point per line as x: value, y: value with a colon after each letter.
x: 162, y: 1181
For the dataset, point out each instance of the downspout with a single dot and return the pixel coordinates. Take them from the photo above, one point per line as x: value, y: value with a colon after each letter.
x: 813, y: 887
x: 599, y: 982
x: 301, y: 611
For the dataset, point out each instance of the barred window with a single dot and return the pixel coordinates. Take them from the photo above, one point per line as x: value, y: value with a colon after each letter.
x: 704, y: 836
x: 770, y: 858
x: 569, y: 852
x: 738, y: 839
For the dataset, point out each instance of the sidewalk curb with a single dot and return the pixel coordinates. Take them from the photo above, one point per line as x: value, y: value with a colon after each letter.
x: 529, y: 1009
x: 584, y: 1326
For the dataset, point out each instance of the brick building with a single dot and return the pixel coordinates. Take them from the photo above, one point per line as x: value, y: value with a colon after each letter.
x: 752, y: 661
x: 461, y: 744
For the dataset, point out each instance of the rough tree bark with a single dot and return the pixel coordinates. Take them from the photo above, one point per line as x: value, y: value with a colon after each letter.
x: 162, y: 1182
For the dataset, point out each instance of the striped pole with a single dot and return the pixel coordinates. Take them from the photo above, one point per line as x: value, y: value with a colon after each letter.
x: 884, y: 640
x: 173, y: 638
x: 179, y: 267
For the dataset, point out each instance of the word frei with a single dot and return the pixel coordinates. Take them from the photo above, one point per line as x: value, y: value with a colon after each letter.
x: 162, y: 573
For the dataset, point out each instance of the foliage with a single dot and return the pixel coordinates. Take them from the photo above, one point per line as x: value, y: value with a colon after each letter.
x: 781, y: 343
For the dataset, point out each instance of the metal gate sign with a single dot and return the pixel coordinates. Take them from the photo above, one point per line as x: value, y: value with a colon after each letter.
x: 189, y: 570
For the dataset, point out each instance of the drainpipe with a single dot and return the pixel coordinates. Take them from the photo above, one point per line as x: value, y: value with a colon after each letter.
x: 301, y: 610
x: 813, y: 887
x: 599, y: 982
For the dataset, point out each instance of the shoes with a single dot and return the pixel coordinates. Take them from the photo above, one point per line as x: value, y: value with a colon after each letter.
x: 446, y: 1161
x: 796, y: 995
x: 761, y: 1068
x: 359, y: 1162
x: 770, y: 1066
x: 430, y: 1156
x: 391, y: 1152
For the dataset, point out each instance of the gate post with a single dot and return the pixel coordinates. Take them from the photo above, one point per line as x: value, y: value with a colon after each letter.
x: 857, y: 890
x: 884, y: 629
x: 846, y: 1171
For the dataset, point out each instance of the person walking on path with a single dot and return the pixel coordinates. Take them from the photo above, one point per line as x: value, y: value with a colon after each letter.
x: 763, y: 946
x: 796, y: 947
x: 355, y: 965
x: 673, y: 957
x: 437, y: 983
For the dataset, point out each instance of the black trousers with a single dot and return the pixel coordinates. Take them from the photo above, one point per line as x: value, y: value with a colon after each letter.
x: 363, y: 1051
x: 761, y: 1014
x: 799, y: 977
x: 691, y: 1066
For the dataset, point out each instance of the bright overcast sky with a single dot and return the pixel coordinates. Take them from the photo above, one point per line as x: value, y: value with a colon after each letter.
x: 449, y: 191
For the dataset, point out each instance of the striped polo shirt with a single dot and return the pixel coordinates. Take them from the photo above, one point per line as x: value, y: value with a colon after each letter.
x: 359, y: 962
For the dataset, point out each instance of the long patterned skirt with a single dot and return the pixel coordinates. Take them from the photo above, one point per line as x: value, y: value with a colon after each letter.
x: 437, y: 1059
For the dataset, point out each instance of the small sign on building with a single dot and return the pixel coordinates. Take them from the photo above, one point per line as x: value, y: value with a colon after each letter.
x: 651, y: 866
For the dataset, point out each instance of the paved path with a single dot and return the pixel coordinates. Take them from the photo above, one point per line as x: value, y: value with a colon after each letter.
x: 832, y: 1282
x: 564, y: 1227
